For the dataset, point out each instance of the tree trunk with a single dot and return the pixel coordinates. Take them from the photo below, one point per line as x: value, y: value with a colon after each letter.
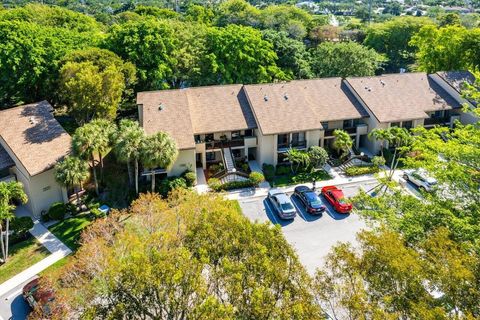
x: 95, y: 176
x: 101, y: 167
x: 130, y: 174
x: 1, y: 243
x: 136, y: 175
x: 6, y: 239
x: 78, y: 199
x: 153, y: 182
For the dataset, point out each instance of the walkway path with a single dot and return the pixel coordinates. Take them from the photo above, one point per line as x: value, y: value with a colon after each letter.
x: 58, y: 249
x: 255, y: 167
x: 201, y: 185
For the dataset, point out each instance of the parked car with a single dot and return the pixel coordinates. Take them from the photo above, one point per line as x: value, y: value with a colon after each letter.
x: 312, y: 202
x: 421, y: 179
x: 38, y: 297
x: 337, y: 199
x: 282, y: 204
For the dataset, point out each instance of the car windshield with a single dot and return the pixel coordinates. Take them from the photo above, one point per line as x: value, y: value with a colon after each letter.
x: 313, y: 198
x: 286, y: 206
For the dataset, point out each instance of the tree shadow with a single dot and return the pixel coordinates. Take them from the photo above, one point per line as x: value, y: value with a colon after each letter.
x: 44, y: 127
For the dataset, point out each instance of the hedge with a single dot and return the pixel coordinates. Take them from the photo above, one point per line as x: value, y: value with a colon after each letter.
x: 360, y: 170
x: 57, y: 211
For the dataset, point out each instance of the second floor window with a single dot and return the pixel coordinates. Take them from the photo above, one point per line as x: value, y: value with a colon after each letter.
x: 209, y: 137
x: 282, y: 139
x: 297, y: 138
x: 407, y: 124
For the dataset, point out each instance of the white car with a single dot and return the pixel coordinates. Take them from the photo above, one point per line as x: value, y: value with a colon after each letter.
x: 421, y: 179
x: 282, y: 204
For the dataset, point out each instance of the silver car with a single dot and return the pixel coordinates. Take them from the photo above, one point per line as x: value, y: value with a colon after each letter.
x: 421, y: 179
x: 282, y: 204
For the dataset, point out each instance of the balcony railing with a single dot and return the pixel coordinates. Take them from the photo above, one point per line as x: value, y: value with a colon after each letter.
x: 351, y: 130
x: 220, y: 144
x: 294, y: 144
x: 438, y: 120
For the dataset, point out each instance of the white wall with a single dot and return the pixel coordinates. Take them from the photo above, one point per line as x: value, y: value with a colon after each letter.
x: 44, y: 191
x: 313, y: 137
x: 185, y: 160
x: 266, y: 148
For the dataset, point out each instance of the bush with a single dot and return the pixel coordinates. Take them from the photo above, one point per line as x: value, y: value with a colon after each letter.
x: 378, y: 161
x: 256, y: 178
x: 245, y: 167
x: 20, y: 227
x: 214, y: 184
x: 71, y: 208
x: 318, y: 156
x: 57, y: 211
x: 357, y: 171
x: 190, y: 178
x: 96, y: 213
x: 283, y: 170
x: 268, y: 171
x: 176, y: 183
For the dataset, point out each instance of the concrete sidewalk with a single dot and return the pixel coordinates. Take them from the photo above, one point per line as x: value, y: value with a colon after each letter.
x: 58, y: 249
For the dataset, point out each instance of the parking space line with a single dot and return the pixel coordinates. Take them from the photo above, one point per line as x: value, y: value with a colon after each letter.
x: 273, y: 213
x: 298, y: 207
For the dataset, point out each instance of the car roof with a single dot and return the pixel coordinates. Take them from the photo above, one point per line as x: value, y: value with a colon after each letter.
x: 302, y: 189
x: 282, y: 198
x: 337, y: 193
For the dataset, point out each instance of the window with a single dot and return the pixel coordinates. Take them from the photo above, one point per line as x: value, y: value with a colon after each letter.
x: 197, y: 138
x: 324, y: 125
x: 236, y: 134
x: 394, y: 124
x: 249, y: 133
x: 407, y: 124
x: 348, y: 124
x: 282, y: 140
x: 298, y: 137
x: 47, y: 188
x: 209, y: 137
x: 438, y: 114
x: 236, y: 153
x: 210, y: 156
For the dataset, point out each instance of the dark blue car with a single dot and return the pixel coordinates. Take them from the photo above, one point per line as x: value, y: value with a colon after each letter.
x: 310, y: 199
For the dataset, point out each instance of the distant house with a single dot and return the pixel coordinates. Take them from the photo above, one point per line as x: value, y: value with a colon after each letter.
x: 31, y: 143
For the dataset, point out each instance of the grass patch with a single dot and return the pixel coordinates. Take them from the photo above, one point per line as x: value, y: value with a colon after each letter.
x: 21, y: 256
x: 69, y: 230
x: 301, y: 177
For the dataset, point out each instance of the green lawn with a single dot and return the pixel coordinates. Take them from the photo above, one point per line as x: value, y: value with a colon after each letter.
x: 289, y: 179
x: 21, y: 256
x: 69, y: 230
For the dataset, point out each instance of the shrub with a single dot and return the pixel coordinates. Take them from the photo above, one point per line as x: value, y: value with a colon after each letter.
x: 283, y: 170
x: 236, y: 185
x: 357, y: 171
x: 190, y: 178
x: 71, y: 208
x: 20, y: 227
x: 176, y: 183
x: 214, y: 184
x: 57, y: 211
x: 245, y: 167
x: 378, y: 161
x: 268, y: 171
x: 318, y: 156
x: 256, y: 178
x: 96, y: 213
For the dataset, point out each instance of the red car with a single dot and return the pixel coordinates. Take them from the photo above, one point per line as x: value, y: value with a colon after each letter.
x: 337, y: 199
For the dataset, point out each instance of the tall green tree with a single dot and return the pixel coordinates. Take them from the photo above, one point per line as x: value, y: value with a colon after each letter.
x: 293, y: 57
x: 128, y: 144
x: 149, y: 44
x: 238, y: 12
x: 72, y: 172
x: 294, y: 21
x: 345, y: 59
x: 9, y: 192
x: 392, y: 38
x: 380, y: 135
x: 158, y: 150
x: 189, y: 256
x: 343, y: 142
x: 237, y: 54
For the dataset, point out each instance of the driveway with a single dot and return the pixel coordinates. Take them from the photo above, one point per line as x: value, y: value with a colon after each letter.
x: 311, y: 236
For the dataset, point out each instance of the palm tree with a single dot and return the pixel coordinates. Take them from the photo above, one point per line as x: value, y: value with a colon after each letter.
x: 106, y: 130
x: 9, y: 191
x: 380, y: 135
x: 71, y: 172
x: 158, y: 150
x: 300, y: 158
x: 343, y: 142
x: 128, y: 146
x: 86, y: 142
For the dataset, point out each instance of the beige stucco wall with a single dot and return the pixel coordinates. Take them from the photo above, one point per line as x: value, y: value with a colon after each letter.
x: 185, y: 160
x: 266, y: 148
x: 313, y: 137
x: 44, y: 191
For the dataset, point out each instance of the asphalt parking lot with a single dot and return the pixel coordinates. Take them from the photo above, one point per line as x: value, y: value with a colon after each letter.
x: 311, y: 236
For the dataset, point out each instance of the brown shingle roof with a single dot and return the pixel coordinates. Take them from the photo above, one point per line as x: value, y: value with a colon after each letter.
x: 191, y: 111
x: 174, y: 118
x: 401, y: 97
x: 5, y: 160
x: 34, y: 136
x: 301, y: 105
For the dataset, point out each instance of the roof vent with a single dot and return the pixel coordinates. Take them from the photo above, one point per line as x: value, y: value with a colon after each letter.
x: 265, y: 97
x: 369, y: 89
x: 383, y: 83
x: 285, y: 95
x: 161, y: 107
x: 32, y: 120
